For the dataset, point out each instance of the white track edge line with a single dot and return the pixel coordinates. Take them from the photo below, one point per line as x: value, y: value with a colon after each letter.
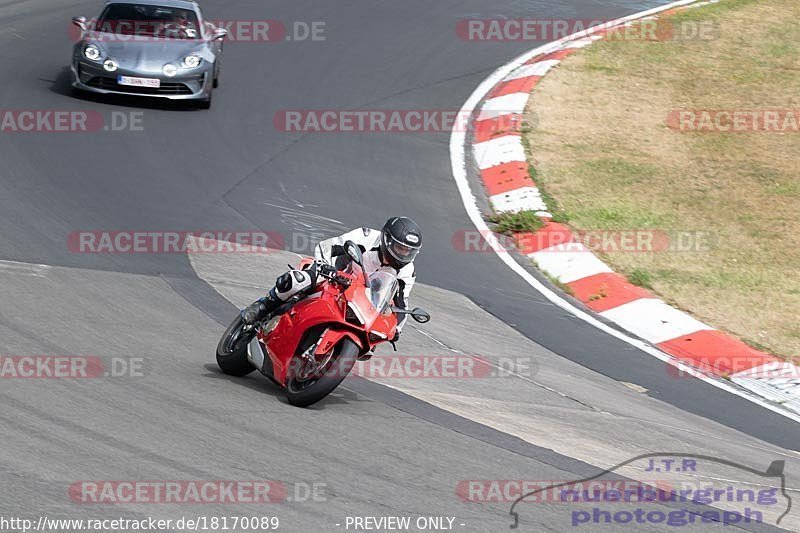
x: 459, y: 168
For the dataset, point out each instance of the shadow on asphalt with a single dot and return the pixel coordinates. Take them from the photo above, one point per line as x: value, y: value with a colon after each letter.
x: 261, y: 384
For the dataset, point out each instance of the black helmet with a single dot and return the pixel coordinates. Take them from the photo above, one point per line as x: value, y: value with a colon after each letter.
x: 401, y: 240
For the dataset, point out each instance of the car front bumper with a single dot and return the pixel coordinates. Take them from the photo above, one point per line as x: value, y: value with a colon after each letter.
x: 194, y: 85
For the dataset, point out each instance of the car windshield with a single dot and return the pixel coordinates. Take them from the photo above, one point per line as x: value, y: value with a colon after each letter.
x: 382, y: 288
x: 148, y: 21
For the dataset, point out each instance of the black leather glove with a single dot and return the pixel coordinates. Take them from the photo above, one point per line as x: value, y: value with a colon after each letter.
x: 326, y: 269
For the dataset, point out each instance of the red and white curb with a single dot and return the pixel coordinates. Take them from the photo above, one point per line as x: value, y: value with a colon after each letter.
x: 672, y: 335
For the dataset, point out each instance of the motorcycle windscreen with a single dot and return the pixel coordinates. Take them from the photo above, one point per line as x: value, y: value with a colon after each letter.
x: 382, y: 288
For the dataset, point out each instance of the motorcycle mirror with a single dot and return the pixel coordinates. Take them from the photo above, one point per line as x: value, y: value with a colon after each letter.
x: 353, y: 252
x: 420, y: 315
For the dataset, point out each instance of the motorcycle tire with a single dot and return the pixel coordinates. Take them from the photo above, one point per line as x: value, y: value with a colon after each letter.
x: 232, y: 350
x: 304, y: 394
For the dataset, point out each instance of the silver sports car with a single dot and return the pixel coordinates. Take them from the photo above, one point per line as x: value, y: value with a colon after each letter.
x: 154, y: 48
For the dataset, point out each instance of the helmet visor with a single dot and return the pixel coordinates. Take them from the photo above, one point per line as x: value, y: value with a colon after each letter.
x: 401, y: 251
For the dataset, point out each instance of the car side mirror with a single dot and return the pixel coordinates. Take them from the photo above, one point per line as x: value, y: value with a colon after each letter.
x: 220, y: 33
x: 79, y: 22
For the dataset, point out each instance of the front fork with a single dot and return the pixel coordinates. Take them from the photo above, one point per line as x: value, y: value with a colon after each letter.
x: 308, y: 365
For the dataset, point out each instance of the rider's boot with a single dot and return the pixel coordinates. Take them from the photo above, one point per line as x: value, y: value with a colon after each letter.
x: 262, y: 307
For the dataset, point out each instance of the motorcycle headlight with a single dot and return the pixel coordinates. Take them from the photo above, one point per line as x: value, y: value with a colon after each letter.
x: 169, y: 70
x: 110, y: 65
x: 192, y: 61
x: 91, y: 52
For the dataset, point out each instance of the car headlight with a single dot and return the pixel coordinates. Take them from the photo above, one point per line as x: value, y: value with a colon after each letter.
x: 169, y: 70
x: 192, y: 61
x: 110, y: 65
x: 92, y: 52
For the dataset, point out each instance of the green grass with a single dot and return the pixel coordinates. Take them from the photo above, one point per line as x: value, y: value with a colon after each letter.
x: 510, y: 223
x: 755, y: 344
x: 620, y: 215
x: 553, y: 207
x: 558, y: 214
x: 555, y: 281
x: 746, y: 281
x: 785, y: 189
x: 616, y: 170
x: 602, y: 147
x: 640, y: 278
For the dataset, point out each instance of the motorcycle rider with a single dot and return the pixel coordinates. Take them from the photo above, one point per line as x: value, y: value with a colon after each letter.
x: 391, y: 249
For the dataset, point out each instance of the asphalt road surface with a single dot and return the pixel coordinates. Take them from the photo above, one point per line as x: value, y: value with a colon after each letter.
x: 374, y: 448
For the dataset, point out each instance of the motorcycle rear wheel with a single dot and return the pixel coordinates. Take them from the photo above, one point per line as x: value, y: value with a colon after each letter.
x: 232, y: 349
x: 309, y: 392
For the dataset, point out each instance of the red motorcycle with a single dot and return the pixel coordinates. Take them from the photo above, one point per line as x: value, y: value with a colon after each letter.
x: 310, y: 344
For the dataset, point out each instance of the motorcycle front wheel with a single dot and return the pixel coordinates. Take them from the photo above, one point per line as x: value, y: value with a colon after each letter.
x: 305, y: 392
x: 232, y: 349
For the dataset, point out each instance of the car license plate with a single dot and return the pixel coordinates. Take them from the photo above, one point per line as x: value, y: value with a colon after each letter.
x: 139, y: 82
